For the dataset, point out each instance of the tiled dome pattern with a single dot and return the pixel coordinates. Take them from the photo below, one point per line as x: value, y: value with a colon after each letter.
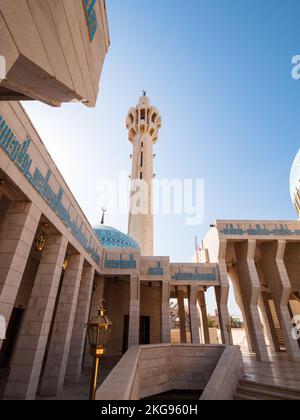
x: 113, y: 238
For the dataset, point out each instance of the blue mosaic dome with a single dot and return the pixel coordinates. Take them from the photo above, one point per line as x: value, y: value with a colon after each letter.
x: 113, y: 238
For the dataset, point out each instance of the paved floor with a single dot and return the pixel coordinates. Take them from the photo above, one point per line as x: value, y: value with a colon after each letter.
x: 80, y: 391
x: 279, y: 371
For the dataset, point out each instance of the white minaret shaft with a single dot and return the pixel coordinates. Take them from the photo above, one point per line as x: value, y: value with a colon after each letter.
x: 143, y: 124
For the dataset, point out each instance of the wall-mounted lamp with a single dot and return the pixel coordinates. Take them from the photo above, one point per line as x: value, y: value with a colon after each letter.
x: 40, y: 243
x: 41, y: 240
x: 65, y: 264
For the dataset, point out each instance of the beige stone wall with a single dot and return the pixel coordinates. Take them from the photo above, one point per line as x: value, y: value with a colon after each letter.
x: 183, y: 367
x: 156, y: 370
x: 155, y: 269
x: 27, y: 283
x: 151, y: 306
x: 117, y: 297
x: 226, y: 376
x: 18, y: 121
x: 49, y: 53
x: 149, y: 370
x: 131, y: 257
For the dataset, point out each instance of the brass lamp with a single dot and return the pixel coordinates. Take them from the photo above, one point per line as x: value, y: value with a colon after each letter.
x: 98, y: 332
x: 40, y: 243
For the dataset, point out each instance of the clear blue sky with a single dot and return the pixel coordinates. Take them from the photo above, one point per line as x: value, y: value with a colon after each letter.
x: 220, y: 73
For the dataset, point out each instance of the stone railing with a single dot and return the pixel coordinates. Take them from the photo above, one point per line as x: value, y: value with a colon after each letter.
x: 224, y: 381
x: 151, y: 370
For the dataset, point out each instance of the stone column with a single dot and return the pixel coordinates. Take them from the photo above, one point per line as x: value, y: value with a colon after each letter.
x: 165, y: 313
x: 265, y: 318
x: 194, y: 314
x: 78, y: 340
x: 181, y: 309
x: 238, y: 298
x: 134, y: 312
x: 56, y: 364
x: 222, y: 293
x: 250, y: 292
x: 274, y: 269
x: 28, y: 358
x: 204, y: 317
x: 17, y: 233
x: 271, y: 323
x: 264, y: 306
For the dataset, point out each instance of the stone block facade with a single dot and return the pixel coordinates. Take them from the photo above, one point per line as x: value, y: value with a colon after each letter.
x: 54, y: 50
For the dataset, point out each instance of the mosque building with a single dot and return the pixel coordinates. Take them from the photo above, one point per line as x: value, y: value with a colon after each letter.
x: 55, y: 267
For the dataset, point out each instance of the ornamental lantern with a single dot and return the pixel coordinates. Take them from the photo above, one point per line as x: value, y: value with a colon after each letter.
x: 98, y: 332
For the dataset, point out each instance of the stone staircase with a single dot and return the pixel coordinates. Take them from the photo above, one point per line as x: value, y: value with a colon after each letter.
x: 253, y: 391
x: 280, y: 339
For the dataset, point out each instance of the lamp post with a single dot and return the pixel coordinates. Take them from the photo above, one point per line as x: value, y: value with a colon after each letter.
x: 98, y: 331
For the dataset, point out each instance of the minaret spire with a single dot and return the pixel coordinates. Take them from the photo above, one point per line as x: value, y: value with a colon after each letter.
x: 143, y: 123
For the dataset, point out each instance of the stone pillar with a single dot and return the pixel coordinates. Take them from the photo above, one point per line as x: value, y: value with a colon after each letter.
x: 165, y: 313
x: 78, y: 340
x: 271, y: 323
x: 17, y: 233
x: 265, y: 318
x: 181, y: 310
x: 97, y: 295
x: 28, y: 358
x: 274, y: 269
x: 134, y: 312
x: 56, y: 364
x: 250, y: 291
x: 204, y: 317
x: 194, y: 314
x: 238, y: 298
x: 222, y: 293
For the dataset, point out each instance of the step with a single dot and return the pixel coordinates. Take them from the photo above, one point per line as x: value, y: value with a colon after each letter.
x: 239, y: 396
x: 265, y: 393
x: 289, y: 391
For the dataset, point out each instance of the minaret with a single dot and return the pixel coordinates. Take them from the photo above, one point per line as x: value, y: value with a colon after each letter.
x: 143, y: 123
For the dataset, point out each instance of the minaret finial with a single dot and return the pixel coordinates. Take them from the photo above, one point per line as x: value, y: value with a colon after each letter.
x: 104, y: 210
x: 144, y: 92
